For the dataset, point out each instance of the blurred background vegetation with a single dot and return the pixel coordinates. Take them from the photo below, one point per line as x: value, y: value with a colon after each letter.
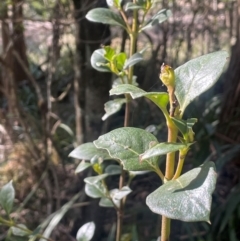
x: 51, y: 100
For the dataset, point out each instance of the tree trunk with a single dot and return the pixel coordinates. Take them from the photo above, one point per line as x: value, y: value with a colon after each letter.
x: 229, y: 125
x: 93, y: 91
x: 94, y: 86
x: 18, y: 41
x: 12, y: 42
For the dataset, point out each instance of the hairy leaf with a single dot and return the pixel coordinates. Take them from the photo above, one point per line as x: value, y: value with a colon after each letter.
x: 106, y: 202
x: 113, y: 106
x: 158, y: 18
x: 95, y: 179
x: 126, y: 144
x: 86, y: 232
x: 106, y: 16
x: 160, y: 99
x: 88, y: 151
x: 133, y: 6
x: 119, y: 194
x: 161, y: 149
x: 82, y: 166
x: 95, y: 190
x: 113, y: 169
x: 7, y: 195
x: 21, y: 230
x: 187, y: 198
x: 99, y: 62
x: 198, y: 75
x: 136, y: 58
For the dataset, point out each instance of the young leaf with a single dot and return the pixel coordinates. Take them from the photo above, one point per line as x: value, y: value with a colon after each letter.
x: 187, y: 198
x: 198, y: 75
x: 126, y: 144
x: 106, y: 16
x: 86, y: 232
x: 109, y: 53
x: 99, y: 62
x: 158, y: 18
x: 82, y: 166
x: 136, y: 58
x: 160, y: 99
x: 113, y: 106
x: 7, y: 195
x: 88, y: 151
x: 120, y: 60
x: 161, y: 149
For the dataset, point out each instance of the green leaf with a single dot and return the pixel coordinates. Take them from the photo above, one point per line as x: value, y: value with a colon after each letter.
x: 111, y: 235
x: 187, y: 198
x: 113, y: 106
x: 198, y: 75
x: 66, y: 128
x: 161, y: 149
x: 106, y: 202
x: 95, y: 179
x: 113, y: 169
x: 105, y: 16
x: 114, y: 3
x: 135, y: 173
x: 133, y: 6
x: 119, y: 81
x: 99, y: 62
x: 82, y: 166
x: 184, y: 125
x: 57, y: 216
x: 158, y: 18
x: 120, y: 60
x: 19, y: 231
x: 134, y: 59
x: 88, y: 151
x: 126, y: 144
x: 96, y: 190
x: 120, y: 194
x: 160, y: 99
x: 109, y: 53
x: 7, y: 195
x: 86, y: 232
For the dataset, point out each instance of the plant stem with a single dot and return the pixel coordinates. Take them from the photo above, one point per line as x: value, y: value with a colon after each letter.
x: 169, y: 173
x: 127, y: 110
x: 165, y: 232
x: 133, y: 37
x: 170, y: 161
x: 182, y: 155
x: 121, y: 209
x: 26, y: 230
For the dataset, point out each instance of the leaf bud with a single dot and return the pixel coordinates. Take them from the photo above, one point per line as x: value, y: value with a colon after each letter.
x: 167, y: 75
